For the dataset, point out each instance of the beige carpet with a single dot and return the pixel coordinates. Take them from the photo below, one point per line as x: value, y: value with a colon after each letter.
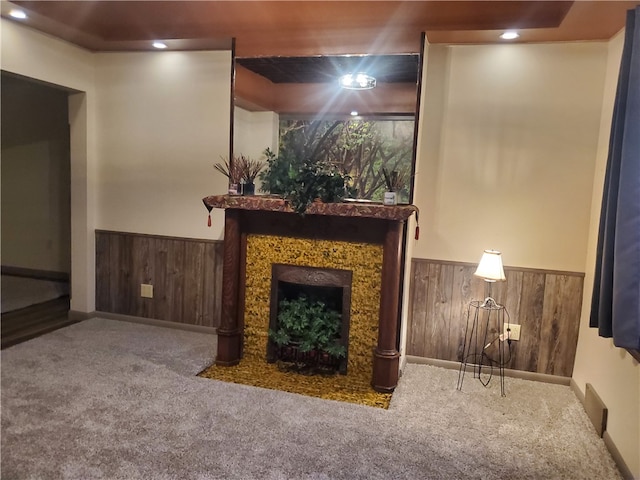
x: 104, y: 399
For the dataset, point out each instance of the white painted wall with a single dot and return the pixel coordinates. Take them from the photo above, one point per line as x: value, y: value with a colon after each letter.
x: 146, y: 129
x: 253, y: 133
x: 163, y: 121
x: 507, y: 152
x: 614, y: 374
x: 35, y: 222
x: 35, y: 177
x: 41, y: 57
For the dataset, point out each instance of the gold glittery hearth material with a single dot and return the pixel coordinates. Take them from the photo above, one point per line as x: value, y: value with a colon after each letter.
x: 365, y: 262
x: 257, y: 372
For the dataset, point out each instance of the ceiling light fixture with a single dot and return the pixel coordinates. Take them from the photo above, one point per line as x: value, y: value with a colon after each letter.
x: 357, y: 81
x: 510, y: 35
x: 354, y: 113
x: 159, y: 45
x: 19, y: 14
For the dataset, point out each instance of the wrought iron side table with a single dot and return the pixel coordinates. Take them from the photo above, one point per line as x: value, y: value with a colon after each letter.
x: 485, y: 327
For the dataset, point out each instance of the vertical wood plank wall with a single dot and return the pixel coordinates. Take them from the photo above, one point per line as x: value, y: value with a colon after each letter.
x: 546, y: 303
x: 186, y: 275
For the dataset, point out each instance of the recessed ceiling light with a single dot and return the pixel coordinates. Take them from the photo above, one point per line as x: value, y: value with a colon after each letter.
x: 357, y: 81
x: 159, y: 45
x: 354, y: 113
x: 510, y: 35
x: 19, y: 14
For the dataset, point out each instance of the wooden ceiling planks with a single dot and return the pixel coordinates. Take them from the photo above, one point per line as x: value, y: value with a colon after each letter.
x: 299, y: 28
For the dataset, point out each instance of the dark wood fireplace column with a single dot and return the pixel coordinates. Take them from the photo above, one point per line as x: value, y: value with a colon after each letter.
x: 230, y: 330
x: 386, y: 355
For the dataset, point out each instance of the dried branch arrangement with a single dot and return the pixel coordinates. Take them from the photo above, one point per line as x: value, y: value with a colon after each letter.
x: 249, y: 168
x: 394, y: 180
x: 231, y: 170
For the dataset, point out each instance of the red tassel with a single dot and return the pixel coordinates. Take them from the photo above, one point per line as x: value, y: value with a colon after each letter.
x: 209, y: 221
x: 417, y: 232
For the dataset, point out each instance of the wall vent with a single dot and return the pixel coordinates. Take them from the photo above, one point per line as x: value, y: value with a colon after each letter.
x: 596, y: 409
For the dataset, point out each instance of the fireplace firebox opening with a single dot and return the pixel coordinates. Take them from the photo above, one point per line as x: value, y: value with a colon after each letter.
x: 325, y: 293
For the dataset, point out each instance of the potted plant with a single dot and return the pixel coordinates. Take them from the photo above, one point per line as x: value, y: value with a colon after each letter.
x: 307, y: 331
x: 395, y: 181
x: 303, y: 181
x: 249, y: 169
x: 231, y: 170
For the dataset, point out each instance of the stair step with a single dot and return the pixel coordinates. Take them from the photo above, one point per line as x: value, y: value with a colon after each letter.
x: 30, y: 322
x: 36, y: 314
x: 35, y: 331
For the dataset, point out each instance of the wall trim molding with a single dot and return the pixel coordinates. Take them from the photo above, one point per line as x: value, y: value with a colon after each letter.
x: 161, y: 237
x: 78, y: 316
x: 506, y: 268
x: 525, y: 375
x: 156, y: 323
x: 617, y: 457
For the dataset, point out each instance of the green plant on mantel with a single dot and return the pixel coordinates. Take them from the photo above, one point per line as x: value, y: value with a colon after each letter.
x: 309, y: 324
x: 302, y: 181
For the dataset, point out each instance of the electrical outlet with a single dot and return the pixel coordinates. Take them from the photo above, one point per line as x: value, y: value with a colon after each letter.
x: 512, y: 331
x: 146, y: 291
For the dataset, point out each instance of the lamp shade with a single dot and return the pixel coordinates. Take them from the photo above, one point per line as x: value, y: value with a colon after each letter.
x: 490, y: 267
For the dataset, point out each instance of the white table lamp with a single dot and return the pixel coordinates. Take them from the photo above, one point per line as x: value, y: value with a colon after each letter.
x: 491, y: 270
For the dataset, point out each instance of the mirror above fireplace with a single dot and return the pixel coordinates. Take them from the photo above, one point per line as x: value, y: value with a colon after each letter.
x: 310, y: 85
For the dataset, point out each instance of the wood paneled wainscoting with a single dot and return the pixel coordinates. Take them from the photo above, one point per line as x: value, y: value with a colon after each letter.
x: 186, y: 275
x: 546, y: 303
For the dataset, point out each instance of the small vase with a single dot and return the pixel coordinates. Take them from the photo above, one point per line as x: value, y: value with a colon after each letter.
x: 248, y: 189
x: 390, y: 198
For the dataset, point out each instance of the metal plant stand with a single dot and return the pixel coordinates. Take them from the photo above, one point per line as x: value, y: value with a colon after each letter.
x: 485, y: 326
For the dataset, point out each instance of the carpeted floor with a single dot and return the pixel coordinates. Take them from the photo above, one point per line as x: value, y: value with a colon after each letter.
x: 109, y: 399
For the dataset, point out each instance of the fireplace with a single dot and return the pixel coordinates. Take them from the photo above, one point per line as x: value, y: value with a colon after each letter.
x: 331, y: 287
x: 364, y: 238
x: 312, y: 255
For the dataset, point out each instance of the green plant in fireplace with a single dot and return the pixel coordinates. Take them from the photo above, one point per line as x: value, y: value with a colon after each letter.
x: 310, y: 325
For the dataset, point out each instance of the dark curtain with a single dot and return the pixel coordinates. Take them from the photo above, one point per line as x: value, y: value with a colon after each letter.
x: 615, y: 307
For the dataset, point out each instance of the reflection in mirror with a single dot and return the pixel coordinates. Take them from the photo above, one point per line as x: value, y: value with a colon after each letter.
x: 360, y: 148
x: 296, y: 106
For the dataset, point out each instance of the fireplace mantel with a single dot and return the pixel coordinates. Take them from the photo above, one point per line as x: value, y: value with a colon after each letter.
x: 349, y: 221
x: 344, y: 209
